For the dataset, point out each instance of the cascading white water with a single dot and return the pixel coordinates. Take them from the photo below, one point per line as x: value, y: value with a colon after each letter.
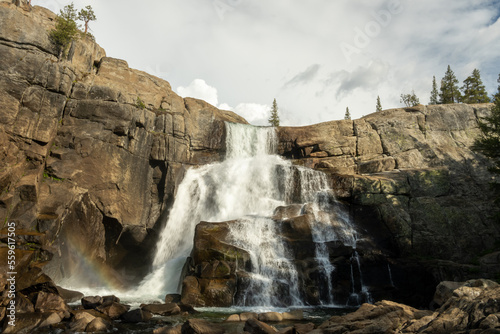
x: 247, y: 186
x: 244, y: 184
x: 273, y: 277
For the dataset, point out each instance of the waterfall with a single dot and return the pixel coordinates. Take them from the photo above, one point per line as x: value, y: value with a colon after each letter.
x: 273, y: 280
x: 245, y: 183
x: 247, y: 187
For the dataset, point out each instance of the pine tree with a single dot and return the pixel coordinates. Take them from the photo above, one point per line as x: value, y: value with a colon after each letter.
x: 347, y: 115
x: 87, y: 15
x: 450, y: 92
x: 489, y: 141
x: 410, y: 100
x: 66, y: 28
x: 434, y: 92
x: 474, y: 90
x: 379, y: 105
x: 274, y: 119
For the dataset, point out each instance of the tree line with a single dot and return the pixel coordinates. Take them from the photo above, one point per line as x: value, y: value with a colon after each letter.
x: 472, y: 91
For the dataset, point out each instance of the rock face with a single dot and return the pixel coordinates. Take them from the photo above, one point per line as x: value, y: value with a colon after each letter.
x: 414, y: 171
x: 219, y: 273
x: 91, y: 151
x: 416, y: 192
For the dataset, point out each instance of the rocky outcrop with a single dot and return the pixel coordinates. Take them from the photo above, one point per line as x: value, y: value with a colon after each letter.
x: 91, y: 150
x: 220, y: 273
x: 472, y: 308
x: 413, y: 170
x: 418, y: 137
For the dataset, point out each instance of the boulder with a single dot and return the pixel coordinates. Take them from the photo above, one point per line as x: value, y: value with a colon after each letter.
x: 248, y: 315
x: 169, y: 330
x: 69, y: 296
x: 162, y: 309
x: 137, y: 315
x: 113, y: 310
x: 23, y: 304
x: 91, y: 302
x: 110, y: 299
x: 233, y: 318
x: 444, y: 291
x: 99, y: 325
x: 304, y: 328
x: 208, y: 292
x: 80, y: 321
x: 270, y: 317
x: 49, y: 302
x: 254, y: 326
x: 200, y: 326
x: 51, y: 319
x: 293, y: 315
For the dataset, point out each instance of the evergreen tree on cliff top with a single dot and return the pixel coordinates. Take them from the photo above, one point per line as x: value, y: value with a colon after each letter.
x: 474, y: 90
x: 378, y: 107
x: 450, y: 92
x: 274, y: 119
x: 347, y: 115
x: 434, y: 92
x: 488, y: 142
x: 66, y: 28
x: 87, y: 15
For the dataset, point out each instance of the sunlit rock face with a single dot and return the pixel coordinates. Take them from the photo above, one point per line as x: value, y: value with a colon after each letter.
x: 91, y: 150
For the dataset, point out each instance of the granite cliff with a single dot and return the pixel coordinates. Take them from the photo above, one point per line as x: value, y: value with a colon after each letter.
x: 415, y: 168
x: 92, y: 151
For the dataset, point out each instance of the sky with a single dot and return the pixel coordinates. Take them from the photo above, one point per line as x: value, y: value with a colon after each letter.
x: 315, y: 58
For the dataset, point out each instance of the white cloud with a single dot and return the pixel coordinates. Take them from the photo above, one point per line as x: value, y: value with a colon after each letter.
x: 254, y: 113
x: 254, y: 48
x: 199, y: 89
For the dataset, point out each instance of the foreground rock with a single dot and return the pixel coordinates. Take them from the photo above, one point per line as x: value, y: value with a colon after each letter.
x: 200, y: 326
x: 255, y: 326
x: 472, y: 308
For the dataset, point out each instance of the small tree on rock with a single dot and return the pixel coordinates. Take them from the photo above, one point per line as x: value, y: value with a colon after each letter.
x: 474, y: 90
x: 410, y: 100
x: 66, y: 28
x: 449, y: 89
x: 379, y: 105
x: 434, y: 92
x: 489, y: 141
x: 347, y: 115
x: 274, y: 119
x: 86, y: 15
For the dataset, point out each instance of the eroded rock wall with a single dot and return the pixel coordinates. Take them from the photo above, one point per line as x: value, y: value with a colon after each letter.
x: 414, y: 170
x: 91, y: 148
